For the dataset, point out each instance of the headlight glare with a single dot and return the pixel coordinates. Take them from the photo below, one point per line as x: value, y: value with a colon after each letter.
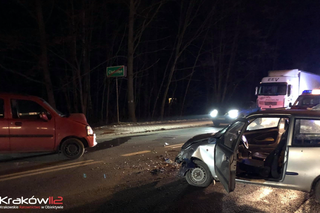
x: 89, y: 130
x: 233, y: 113
x: 214, y: 113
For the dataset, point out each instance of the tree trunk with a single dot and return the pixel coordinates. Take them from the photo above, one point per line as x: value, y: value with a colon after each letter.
x: 108, y: 98
x: 173, y: 67
x: 85, y: 76
x: 131, y: 104
x: 76, y: 82
x: 44, y: 55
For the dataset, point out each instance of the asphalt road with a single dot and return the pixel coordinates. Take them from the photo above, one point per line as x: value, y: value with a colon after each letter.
x: 133, y: 174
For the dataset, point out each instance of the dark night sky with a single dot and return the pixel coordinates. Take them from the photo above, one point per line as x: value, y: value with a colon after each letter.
x: 283, y: 35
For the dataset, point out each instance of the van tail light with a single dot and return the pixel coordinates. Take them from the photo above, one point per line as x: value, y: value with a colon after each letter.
x: 89, y: 130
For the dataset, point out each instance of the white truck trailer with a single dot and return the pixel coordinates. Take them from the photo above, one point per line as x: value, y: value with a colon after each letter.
x: 282, y: 87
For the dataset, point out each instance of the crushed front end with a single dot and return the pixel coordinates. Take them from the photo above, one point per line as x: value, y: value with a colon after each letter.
x: 198, y: 148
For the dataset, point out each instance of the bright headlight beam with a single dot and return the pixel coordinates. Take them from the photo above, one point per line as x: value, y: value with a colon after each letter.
x: 214, y: 113
x: 233, y: 113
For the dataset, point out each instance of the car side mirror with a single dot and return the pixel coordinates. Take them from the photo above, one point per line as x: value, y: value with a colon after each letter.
x: 43, y: 116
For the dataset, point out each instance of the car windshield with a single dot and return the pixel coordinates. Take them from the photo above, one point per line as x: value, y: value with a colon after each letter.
x: 57, y: 111
x: 273, y: 89
x: 263, y: 123
x: 307, y: 101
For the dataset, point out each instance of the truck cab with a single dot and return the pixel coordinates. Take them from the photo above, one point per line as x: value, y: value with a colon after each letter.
x: 275, y: 92
x: 282, y: 87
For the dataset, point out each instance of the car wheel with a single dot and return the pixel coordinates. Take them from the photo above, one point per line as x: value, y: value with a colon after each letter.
x: 199, y: 176
x: 72, y: 148
x: 317, y: 192
x: 216, y: 124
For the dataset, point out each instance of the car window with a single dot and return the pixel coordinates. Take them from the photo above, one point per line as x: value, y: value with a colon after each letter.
x: 52, y: 108
x: 263, y: 123
x: 306, y: 132
x: 232, y: 134
x: 26, y: 109
x: 1, y: 108
x: 307, y: 101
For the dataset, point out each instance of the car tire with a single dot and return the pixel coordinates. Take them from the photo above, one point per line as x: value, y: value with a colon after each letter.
x: 216, y: 124
x: 72, y: 148
x: 199, y: 176
x: 317, y: 192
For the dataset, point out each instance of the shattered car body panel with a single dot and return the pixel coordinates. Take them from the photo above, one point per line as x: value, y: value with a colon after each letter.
x: 200, y: 147
x: 205, y: 153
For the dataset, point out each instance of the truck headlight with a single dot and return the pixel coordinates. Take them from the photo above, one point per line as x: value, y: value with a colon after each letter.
x: 89, y: 130
x: 214, y: 113
x: 233, y: 113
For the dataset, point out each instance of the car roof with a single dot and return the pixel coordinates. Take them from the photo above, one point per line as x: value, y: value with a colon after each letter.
x: 16, y: 95
x: 309, y: 95
x: 288, y: 112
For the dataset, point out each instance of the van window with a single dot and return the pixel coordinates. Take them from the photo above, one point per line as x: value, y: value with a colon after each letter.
x: 1, y: 108
x: 306, y: 132
x: 25, y: 109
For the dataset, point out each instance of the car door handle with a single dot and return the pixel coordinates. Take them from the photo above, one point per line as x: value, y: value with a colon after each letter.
x: 18, y: 123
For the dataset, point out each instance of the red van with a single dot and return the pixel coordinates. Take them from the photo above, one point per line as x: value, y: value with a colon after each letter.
x: 30, y: 124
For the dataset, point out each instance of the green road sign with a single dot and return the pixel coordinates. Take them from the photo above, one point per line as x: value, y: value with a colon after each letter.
x: 117, y: 71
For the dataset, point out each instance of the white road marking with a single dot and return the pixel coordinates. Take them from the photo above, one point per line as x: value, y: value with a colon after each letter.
x: 136, y: 153
x: 46, y: 170
x: 175, y: 145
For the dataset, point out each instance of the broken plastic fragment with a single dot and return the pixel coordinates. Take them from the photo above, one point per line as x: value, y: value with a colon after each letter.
x: 167, y: 160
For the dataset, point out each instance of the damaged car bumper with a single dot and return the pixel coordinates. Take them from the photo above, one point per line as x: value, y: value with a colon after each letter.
x: 201, y: 148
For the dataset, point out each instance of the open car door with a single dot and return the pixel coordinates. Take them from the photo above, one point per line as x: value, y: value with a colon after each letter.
x: 225, y: 157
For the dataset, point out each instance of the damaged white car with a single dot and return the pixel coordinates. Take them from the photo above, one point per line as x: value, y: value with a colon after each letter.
x: 277, y: 148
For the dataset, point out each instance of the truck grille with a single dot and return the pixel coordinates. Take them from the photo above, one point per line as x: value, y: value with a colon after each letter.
x: 271, y: 103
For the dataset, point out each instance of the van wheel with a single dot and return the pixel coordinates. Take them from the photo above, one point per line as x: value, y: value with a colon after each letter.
x: 72, y: 148
x: 317, y: 192
x: 199, y: 176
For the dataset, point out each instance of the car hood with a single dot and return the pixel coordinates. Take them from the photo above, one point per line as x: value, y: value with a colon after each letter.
x: 299, y: 107
x: 200, y: 140
x: 78, y: 117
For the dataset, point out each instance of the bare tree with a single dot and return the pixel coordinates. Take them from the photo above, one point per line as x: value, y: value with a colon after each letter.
x: 185, y: 37
x: 134, y: 38
x: 192, y: 72
x: 44, y: 54
x: 131, y: 104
